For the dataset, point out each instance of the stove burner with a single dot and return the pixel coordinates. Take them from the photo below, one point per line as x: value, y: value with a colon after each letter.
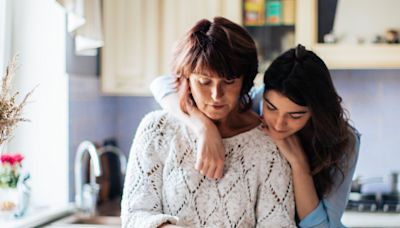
x: 386, y: 202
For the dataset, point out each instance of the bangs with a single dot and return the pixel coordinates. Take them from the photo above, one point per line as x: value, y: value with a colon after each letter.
x: 211, y: 60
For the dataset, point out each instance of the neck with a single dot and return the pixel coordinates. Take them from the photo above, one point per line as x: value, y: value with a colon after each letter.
x: 236, y: 122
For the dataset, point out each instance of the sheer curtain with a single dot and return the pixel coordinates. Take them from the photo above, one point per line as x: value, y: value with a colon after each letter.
x: 5, y: 34
x: 38, y: 36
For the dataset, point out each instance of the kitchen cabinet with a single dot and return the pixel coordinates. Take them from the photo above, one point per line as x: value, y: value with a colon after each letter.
x: 272, y: 25
x: 366, y: 55
x: 139, y: 37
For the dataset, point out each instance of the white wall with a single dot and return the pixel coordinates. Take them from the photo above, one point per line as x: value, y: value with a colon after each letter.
x: 39, y: 37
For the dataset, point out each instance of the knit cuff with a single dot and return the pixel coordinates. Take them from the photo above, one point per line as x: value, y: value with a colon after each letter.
x: 155, y: 221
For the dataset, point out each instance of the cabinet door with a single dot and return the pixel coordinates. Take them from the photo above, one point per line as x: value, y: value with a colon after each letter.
x: 139, y: 37
x: 129, y: 56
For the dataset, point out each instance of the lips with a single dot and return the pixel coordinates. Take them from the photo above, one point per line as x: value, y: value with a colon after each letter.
x: 217, y: 106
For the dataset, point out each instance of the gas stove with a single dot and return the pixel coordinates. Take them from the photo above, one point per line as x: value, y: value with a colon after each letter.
x: 374, y: 202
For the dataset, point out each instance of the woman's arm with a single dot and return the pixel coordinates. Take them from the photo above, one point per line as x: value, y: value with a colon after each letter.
x: 141, y: 204
x: 210, y: 150
x: 311, y: 211
x: 330, y: 209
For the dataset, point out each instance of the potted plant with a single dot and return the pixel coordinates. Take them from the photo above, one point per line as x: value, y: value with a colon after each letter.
x: 12, y: 181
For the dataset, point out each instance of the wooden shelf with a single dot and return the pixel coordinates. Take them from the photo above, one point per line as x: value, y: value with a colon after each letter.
x: 342, y: 56
x: 366, y: 56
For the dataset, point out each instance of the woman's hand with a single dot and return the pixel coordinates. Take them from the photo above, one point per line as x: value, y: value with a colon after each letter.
x: 291, y: 148
x: 210, y: 149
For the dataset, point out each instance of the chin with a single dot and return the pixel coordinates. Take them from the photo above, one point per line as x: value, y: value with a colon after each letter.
x: 215, y: 116
x: 278, y: 136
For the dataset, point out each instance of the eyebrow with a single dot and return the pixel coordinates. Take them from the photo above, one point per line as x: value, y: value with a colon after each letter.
x: 269, y: 102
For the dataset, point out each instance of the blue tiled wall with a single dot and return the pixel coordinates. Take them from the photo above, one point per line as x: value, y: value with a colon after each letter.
x: 95, y: 117
x: 372, y: 98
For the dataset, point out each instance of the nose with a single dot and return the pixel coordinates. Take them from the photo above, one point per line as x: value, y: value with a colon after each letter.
x: 280, y: 123
x: 217, y: 92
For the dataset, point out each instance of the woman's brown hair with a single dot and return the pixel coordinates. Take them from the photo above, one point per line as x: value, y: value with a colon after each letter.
x: 220, y: 48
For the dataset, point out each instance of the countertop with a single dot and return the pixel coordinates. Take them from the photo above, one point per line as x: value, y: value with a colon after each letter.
x: 371, y: 219
x: 38, y: 215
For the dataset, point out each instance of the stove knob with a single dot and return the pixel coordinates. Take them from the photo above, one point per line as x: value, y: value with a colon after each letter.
x: 360, y: 207
x: 385, y: 208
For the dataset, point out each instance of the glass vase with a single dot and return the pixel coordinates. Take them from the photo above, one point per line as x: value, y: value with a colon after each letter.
x: 9, y: 201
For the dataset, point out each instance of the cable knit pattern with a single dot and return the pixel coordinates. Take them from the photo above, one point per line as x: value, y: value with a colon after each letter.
x: 162, y: 184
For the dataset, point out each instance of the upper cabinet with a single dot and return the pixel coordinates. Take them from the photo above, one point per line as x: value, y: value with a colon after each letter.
x: 354, y: 34
x: 139, y: 36
x: 272, y: 24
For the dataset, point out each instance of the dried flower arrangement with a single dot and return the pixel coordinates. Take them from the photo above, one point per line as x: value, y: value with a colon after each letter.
x: 10, y: 110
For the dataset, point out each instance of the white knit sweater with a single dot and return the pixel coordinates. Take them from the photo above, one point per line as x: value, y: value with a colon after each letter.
x: 162, y: 184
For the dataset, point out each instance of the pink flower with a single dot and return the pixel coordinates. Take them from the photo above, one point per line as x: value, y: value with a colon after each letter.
x: 11, y: 158
x: 18, y: 158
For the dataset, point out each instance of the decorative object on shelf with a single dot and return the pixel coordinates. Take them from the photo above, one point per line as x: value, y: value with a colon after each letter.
x: 14, y: 192
x: 392, y: 36
x: 10, y: 110
x: 273, y: 12
x: 254, y: 12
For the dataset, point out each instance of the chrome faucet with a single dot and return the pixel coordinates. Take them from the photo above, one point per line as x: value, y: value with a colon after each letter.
x: 86, y: 194
x: 116, y: 151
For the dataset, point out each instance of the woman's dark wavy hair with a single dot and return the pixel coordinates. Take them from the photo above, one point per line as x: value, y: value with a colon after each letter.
x: 327, y: 139
x: 221, y: 48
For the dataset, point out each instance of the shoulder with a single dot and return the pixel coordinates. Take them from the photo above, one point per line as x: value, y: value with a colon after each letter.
x: 156, y: 121
x: 262, y: 146
x: 354, y: 148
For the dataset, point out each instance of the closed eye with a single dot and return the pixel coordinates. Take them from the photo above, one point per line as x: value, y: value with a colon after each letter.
x: 270, y: 107
x: 229, y: 81
x: 204, y: 81
x: 296, y: 116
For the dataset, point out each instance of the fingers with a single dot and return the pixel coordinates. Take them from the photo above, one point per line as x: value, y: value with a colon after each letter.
x: 199, y: 164
x: 213, y: 170
x: 219, y: 171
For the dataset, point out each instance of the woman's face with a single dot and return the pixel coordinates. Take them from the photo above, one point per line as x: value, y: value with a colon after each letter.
x: 282, y: 116
x: 215, y: 97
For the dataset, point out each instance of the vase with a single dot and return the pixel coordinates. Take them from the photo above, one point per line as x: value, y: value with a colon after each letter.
x: 9, y: 202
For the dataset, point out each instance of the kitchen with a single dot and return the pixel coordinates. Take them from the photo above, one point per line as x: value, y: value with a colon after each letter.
x: 72, y: 103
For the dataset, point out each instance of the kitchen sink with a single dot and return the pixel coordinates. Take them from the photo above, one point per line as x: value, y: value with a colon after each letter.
x: 77, y: 220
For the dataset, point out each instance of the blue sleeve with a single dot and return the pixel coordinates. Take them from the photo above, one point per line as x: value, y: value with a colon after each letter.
x: 256, y: 94
x: 162, y: 86
x: 329, y: 211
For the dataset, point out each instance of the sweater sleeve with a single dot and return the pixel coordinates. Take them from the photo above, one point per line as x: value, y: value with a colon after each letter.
x: 141, y: 201
x: 275, y: 201
x: 330, y: 209
x: 256, y: 94
x: 162, y: 86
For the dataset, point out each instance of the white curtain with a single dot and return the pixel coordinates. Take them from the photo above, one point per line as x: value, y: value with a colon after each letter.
x: 5, y: 34
x: 85, y: 22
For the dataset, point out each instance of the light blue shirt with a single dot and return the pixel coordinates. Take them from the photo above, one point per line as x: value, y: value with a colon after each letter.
x: 330, y: 209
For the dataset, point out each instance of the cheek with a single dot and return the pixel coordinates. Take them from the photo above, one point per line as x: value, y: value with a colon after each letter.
x: 298, y: 125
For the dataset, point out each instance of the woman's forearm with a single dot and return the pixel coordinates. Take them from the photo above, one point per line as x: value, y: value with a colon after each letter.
x: 306, y: 197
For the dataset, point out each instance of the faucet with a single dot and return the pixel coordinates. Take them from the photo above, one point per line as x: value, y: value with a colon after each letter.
x: 86, y: 194
x: 115, y: 150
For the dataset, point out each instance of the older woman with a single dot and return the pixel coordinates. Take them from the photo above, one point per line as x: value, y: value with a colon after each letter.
x: 218, y: 61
